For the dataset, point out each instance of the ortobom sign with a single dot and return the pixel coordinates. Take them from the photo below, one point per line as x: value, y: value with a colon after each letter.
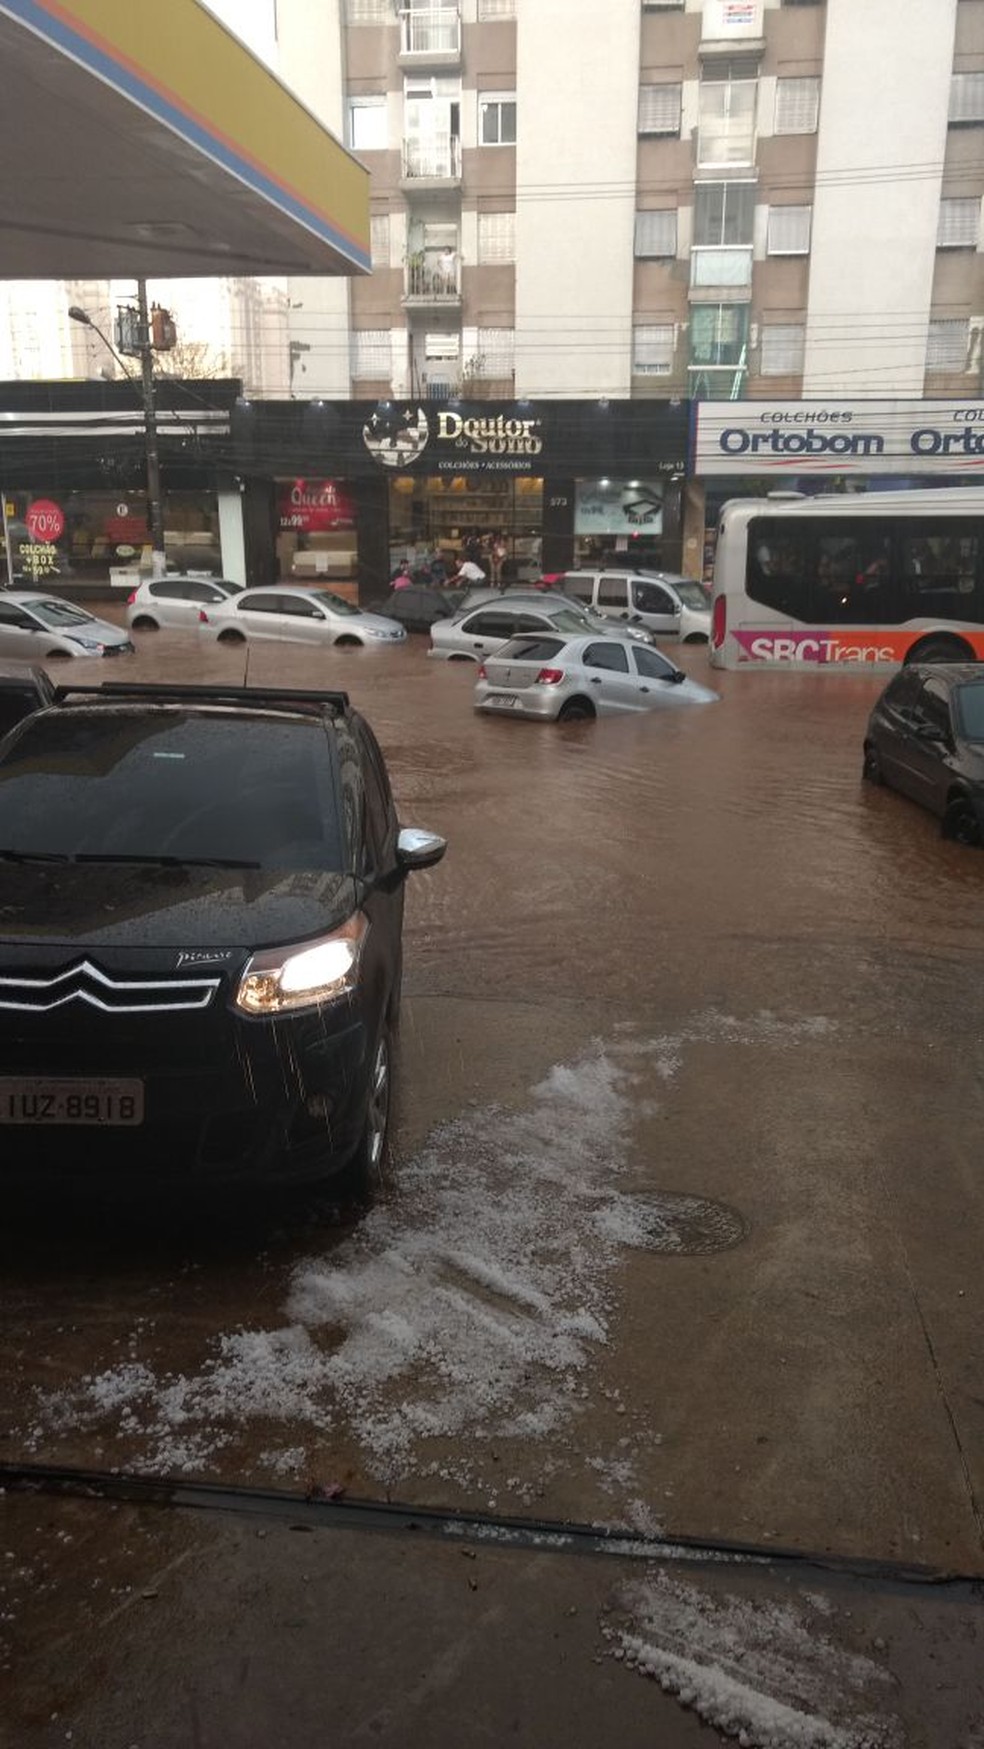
x: 755, y: 438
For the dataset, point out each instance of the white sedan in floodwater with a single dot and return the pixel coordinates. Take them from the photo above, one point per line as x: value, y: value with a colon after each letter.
x: 295, y: 616
x: 565, y: 679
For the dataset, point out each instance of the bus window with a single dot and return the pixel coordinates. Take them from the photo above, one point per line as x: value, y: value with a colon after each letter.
x: 777, y: 565
x: 853, y: 585
x: 940, y: 572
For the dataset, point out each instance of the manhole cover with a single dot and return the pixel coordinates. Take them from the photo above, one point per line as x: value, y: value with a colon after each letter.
x: 680, y: 1226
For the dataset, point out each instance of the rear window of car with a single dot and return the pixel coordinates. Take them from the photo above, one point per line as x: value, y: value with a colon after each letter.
x: 16, y: 702
x: 132, y: 785
x: 528, y: 649
x: 970, y: 710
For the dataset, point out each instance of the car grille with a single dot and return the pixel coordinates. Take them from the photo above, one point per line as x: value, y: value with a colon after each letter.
x: 118, y: 649
x: 85, y: 983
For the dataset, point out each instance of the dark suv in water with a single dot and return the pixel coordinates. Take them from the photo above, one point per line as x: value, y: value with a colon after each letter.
x: 925, y: 737
x: 201, y: 907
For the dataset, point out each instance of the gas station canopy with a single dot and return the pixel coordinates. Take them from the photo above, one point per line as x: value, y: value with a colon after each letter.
x: 138, y: 137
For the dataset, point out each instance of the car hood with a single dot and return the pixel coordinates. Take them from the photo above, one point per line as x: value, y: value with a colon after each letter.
x: 93, y: 631
x: 377, y: 622
x: 130, y: 906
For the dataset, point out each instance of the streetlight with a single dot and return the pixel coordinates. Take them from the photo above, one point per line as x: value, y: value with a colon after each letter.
x: 155, y: 505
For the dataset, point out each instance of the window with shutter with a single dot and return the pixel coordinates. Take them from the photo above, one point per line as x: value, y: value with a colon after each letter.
x: 441, y: 345
x: 369, y: 12
x: 372, y: 353
x: 782, y: 349
x: 488, y: 9
x: 659, y: 109
x: 789, y: 230
x: 797, y: 106
x: 496, y: 237
x: 652, y: 350
x: 655, y: 234
x: 959, y: 224
x: 948, y: 345
x: 966, y: 99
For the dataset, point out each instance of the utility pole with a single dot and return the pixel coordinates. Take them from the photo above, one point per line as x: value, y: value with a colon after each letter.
x: 155, y: 505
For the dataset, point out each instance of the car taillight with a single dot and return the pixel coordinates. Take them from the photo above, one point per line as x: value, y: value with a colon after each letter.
x: 202, y: 617
x: 719, y: 621
x: 131, y: 598
x: 481, y: 671
x: 549, y: 676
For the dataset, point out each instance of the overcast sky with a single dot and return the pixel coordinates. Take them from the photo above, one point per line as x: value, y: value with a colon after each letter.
x: 254, y: 21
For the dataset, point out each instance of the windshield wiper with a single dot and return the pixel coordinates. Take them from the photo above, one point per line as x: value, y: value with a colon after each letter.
x: 165, y: 861
x: 33, y: 856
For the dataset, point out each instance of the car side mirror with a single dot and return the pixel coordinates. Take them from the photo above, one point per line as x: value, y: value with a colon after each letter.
x: 416, y: 848
x: 677, y: 607
x: 636, y: 619
x: 676, y: 678
x: 929, y: 731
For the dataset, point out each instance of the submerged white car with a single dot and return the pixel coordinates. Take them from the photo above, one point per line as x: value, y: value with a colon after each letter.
x: 295, y: 616
x: 564, y: 679
x: 41, y: 628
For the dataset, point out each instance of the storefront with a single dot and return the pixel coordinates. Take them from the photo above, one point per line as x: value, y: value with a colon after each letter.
x: 73, y: 485
x: 348, y: 491
x: 747, y: 449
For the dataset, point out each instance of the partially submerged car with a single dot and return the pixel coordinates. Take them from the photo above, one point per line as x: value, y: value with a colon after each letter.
x: 568, y: 679
x: 925, y: 738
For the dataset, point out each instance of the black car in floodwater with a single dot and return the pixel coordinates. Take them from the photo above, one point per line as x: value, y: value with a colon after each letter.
x: 201, y: 908
x: 925, y: 737
x: 22, y: 690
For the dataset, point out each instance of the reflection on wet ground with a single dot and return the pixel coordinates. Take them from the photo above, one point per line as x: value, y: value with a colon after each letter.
x: 674, y: 968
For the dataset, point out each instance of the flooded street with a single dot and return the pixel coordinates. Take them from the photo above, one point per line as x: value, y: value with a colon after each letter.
x: 682, y: 1228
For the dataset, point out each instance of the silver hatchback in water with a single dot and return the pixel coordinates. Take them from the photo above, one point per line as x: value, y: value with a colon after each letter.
x: 565, y: 679
x: 35, y: 627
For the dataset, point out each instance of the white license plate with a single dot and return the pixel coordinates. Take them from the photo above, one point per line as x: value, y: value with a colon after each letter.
x: 24, y: 1100
x: 506, y: 701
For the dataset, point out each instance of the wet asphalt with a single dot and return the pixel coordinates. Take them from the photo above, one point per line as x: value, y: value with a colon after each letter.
x: 773, y: 974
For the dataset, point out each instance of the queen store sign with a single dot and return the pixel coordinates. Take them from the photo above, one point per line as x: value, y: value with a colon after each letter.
x: 314, y: 507
x: 776, y: 438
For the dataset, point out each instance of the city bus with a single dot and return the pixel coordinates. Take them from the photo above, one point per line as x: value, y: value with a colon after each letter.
x: 870, y: 579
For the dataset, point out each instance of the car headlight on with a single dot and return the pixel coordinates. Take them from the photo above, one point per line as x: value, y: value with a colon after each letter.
x: 87, y: 643
x: 285, y: 979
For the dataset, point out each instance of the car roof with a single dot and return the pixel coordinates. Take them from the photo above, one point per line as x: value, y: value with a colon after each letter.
x: 951, y: 673
x: 205, y: 700
x: 21, y: 671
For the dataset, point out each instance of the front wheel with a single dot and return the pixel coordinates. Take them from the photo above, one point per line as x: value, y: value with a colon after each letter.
x: 871, y: 769
x: 960, y: 823
x: 364, y: 1171
x: 347, y: 643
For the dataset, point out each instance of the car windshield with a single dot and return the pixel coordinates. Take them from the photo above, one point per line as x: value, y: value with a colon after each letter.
x: 59, y: 613
x: 334, y: 603
x: 126, y: 785
x: 567, y: 619
x: 692, y: 594
x: 970, y: 708
x: 530, y: 649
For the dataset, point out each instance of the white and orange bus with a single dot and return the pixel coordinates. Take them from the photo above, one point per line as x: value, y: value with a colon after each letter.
x: 871, y: 580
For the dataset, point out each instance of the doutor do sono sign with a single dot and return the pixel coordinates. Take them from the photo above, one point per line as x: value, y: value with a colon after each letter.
x: 753, y: 438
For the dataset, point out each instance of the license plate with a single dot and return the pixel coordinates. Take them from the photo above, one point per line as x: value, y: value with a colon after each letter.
x: 27, y: 1101
x: 506, y: 701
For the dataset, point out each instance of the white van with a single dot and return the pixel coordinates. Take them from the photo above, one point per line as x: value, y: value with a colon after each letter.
x: 669, y: 606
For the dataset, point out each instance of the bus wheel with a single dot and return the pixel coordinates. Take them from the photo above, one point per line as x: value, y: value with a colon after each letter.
x: 960, y: 823
x: 941, y: 650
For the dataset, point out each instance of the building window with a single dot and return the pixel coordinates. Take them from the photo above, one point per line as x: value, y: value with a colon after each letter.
x: 368, y: 12
x: 783, y: 344
x: 497, y: 119
x: 718, y: 350
x: 959, y: 225
x: 496, y: 238
x: 379, y: 239
x: 495, y: 353
x: 948, y: 345
x: 655, y: 235
x: 966, y: 99
x: 797, y: 106
x: 442, y: 345
x: 659, y: 109
x: 724, y: 212
x: 372, y: 354
x: 488, y: 9
x: 726, y: 133
x: 789, y: 230
x: 367, y: 129
x: 652, y: 350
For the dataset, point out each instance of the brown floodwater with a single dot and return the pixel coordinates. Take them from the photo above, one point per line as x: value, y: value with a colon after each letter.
x: 800, y: 957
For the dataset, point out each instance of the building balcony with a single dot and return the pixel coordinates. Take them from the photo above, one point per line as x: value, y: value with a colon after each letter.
x: 432, y: 282
x: 431, y: 165
x: 430, y: 38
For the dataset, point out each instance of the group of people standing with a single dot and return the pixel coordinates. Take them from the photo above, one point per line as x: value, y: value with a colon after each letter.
x: 482, y: 560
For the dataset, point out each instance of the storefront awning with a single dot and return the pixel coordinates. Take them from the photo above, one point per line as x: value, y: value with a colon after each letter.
x: 143, y: 139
